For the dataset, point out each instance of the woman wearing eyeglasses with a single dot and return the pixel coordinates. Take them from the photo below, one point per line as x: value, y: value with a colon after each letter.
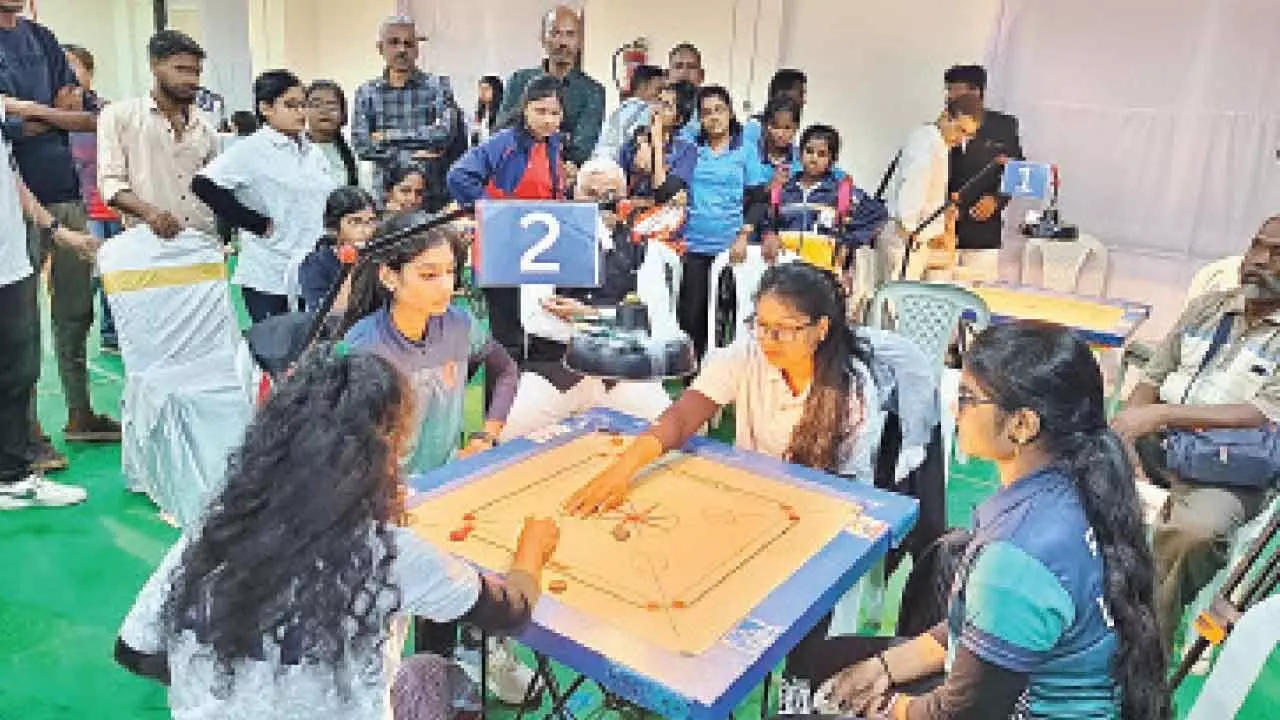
x: 1052, y: 611
x: 799, y: 382
x: 273, y: 184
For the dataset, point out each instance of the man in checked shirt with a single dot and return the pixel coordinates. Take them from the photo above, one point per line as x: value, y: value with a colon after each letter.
x: 405, y: 116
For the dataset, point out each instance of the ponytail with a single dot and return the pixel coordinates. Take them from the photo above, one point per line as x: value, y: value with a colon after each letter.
x: 1108, y: 494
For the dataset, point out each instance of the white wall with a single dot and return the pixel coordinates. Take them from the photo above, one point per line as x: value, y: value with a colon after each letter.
x: 115, y: 31
x: 739, y: 40
x: 330, y: 39
x: 875, y: 68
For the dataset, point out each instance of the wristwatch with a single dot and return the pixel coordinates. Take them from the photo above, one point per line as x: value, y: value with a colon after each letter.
x: 54, y: 226
x: 483, y: 435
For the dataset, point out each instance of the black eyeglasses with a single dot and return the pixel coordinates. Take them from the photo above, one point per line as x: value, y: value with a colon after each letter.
x: 780, y: 334
x: 966, y: 398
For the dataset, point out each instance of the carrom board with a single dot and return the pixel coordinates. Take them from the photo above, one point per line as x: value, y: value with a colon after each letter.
x: 710, y: 539
x: 694, y: 548
x: 1099, y: 321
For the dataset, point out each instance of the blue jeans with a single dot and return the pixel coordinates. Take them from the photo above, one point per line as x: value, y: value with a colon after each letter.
x: 103, y: 230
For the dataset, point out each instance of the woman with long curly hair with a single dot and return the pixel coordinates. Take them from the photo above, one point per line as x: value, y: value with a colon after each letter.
x: 1052, y: 608
x: 291, y: 598
x: 800, y: 382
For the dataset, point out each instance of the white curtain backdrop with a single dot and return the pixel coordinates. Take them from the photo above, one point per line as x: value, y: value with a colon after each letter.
x: 1164, y: 116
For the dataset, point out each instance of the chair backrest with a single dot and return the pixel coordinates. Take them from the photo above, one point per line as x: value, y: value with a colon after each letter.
x: 927, y: 313
x: 170, y: 298
x: 1221, y: 274
x: 1239, y: 664
x: 1062, y: 263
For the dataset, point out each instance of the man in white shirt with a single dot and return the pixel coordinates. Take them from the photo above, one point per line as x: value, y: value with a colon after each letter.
x: 150, y: 148
x: 920, y: 188
x: 20, y: 486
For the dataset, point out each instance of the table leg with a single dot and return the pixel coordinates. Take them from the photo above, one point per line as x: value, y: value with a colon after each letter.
x: 484, y: 672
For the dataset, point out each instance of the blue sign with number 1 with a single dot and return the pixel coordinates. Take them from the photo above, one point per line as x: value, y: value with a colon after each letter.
x: 536, y: 242
x: 1026, y: 179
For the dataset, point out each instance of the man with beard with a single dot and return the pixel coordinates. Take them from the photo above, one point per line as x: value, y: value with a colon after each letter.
x: 1238, y: 387
x: 405, y: 116
x: 150, y: 148
x: 583, y: 96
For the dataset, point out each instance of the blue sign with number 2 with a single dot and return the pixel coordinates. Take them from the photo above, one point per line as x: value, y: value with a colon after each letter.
x: 537, y: 242
x: 1026, y: 179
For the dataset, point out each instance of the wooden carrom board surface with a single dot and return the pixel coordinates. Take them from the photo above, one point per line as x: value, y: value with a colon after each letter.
x: 1072, y: 312
x: 697, y: 545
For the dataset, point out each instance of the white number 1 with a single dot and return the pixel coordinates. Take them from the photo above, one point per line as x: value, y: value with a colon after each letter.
x: 529, y: 262
x: 1025, y: 172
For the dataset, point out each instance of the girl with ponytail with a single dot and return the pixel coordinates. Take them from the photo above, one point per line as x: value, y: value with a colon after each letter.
x: 799, y: 381
x: 1052, y: 611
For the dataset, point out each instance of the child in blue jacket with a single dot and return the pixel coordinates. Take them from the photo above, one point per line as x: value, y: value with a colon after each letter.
x: 818, y: 213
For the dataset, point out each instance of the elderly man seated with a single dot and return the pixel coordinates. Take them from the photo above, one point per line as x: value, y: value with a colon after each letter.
x: 1217, y: 369
x: 548, y: 391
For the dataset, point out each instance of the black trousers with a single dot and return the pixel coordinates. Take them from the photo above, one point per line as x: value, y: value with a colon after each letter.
x: 262, y: 305
x: 20, y: 346
x: 695, y: 289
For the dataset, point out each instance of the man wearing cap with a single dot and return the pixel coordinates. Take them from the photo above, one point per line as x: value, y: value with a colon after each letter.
x: 404, y: 116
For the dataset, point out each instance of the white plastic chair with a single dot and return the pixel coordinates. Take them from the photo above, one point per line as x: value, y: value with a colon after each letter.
x: 1062, y: 263
x: 930, y: 315
x: 1221, y: 274
x: 1239, y: 663
x: 746, y: 280
x: 186, y: 401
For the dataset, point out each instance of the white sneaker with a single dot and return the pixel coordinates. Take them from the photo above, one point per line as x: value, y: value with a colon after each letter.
x: 36, y: 491
x: 509, y: 679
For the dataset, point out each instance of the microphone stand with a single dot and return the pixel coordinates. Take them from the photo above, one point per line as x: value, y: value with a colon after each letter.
x: 999, y: 160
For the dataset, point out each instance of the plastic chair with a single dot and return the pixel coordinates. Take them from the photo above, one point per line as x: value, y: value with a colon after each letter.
x: 927, y: 313
x: 1244, y: 538
x: 1062, y: 262
x: 930, y: 315
x: 186, y: 400
x: 1239, y: 663
x: 746, y: 280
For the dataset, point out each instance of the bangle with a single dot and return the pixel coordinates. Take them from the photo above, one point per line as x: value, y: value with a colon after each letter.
x: 885, y: 664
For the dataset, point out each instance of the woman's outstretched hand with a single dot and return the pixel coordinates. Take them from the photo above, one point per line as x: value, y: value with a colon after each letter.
x: 605, y: 492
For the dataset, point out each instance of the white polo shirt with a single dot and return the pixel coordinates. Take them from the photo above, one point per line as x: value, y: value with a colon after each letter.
x: 767, y: 411
x: 15, y: 263
x: 288, y: 181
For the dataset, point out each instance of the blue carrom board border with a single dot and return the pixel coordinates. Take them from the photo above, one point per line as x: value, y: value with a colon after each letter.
x: 713, y: 683
x: 1135, y: 313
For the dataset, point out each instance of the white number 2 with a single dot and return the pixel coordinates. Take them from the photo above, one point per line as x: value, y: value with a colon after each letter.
x: 529, y: 262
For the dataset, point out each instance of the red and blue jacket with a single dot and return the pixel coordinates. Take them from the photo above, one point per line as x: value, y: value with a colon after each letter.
x: 501, y: 167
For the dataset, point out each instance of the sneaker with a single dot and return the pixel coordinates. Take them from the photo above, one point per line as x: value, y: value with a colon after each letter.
x: 47, y: 458
x: 36, y: 491
x: 94, y: 428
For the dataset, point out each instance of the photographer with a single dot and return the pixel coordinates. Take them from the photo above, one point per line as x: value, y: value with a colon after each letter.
x: 548, y: 392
